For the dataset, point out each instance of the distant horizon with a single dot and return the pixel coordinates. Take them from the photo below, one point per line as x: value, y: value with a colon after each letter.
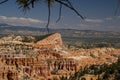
x: 57, y: 28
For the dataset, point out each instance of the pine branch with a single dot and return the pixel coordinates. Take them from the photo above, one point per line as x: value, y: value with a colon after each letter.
x: 116, y: 10
x: 60, y: 10
x: 49, y: 14
x: 70, y: 6
x: 3, y: 1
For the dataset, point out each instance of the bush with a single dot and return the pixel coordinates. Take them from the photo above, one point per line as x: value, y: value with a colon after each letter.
x: 54, y: 71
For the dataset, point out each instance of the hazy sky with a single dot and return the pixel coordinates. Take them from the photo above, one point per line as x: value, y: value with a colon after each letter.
x: 99, y: 15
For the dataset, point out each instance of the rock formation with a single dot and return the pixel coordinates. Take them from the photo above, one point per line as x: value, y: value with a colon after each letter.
x: 46, y: 58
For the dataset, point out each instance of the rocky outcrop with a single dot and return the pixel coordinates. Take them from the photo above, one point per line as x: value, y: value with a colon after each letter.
x: 52, y: 41
x: 8, y: 73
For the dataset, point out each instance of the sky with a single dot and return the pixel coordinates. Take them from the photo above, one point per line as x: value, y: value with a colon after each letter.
x: 99, y: 15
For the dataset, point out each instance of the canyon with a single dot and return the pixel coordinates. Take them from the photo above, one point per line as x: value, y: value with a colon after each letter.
x: 48, y: 58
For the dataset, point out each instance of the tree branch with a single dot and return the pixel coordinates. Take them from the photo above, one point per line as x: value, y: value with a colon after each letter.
x: 59, y: 13
x: 32, y: 3
x: 116, y: 10
x: 3, y: 1
x: 71, y: 7
x: 49, y: 14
